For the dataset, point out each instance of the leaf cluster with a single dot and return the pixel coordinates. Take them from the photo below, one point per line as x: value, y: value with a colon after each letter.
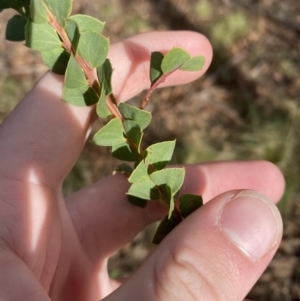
x: 73, y: 45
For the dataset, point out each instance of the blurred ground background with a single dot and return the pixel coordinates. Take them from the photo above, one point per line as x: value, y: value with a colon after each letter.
x: 246, y: 107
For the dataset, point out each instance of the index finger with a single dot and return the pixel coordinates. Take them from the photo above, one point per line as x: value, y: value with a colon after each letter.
x: 45, y: 136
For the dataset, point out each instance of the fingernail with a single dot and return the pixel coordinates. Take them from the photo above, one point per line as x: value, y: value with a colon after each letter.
x: 252, y: 222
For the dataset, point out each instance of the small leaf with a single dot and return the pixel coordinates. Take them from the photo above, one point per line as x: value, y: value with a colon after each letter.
x: 102, y: 108
x: 165, y: 227
x: 133, y: 132
x: 72, y: 31
x: 141, y: 117
x: 15, y: 29
x: 124, y: 169
x: 173, y: 177
x: 93, y: 48
x: 160, y: 154
x: 56, y: 60
x: 137, y: 201
x: 111, y: 134
x: 140, y: 173
x: 155, y: 66
x: 60, y: 9
x: 196, y: 63
x: 145, y: 190
x: 168, y: 197
x: 84, y: 96
x: 87, y: 23
x: 41, y: 37
x: 189, y: 203
x: 104, y: 73
x: 74, y: 77
x: 124, y: 152
x: 174, y: 59
x: 38, y: 12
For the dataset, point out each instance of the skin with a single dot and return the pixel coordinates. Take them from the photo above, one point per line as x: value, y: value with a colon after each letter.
x: 53, y: 248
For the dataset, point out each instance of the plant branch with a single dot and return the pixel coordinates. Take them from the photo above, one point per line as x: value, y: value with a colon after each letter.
x: 161, y: 80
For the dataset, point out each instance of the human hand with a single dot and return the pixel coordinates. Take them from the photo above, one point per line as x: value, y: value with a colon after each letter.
x: 56, y: 249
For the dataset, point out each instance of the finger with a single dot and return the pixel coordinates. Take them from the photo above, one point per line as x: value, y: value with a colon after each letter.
x: 217, y: 253
x: 45, y: 135
x: 104, y: 205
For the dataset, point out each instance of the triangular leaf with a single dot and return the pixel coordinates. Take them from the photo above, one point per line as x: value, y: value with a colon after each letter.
x: 141, y: 117
x: 102, y: 108
x: 173, y: 177
x: 38, y: 11
x: 74, y: 77
x: 15, y: 29
x: 155, y: 66
x: 133, y: 132
x: 174, y: 59
x: 41, y: 37
x: 140, y: 173
x: 84, y: 96
x: 111, y: 134
x: 93, y: 48
x: 87, y: 23
x: 165, y: 227
x: 124, y: 169
x: 72, y: 31
x: 104, y: 73
x: 160, y: 154
x: 137, y: 201
x: 196, y: 63
x: 60, y: 9
x: 145, y: 190
x: 188, y: 203
x: 56, y: 60
x: 124, y: 152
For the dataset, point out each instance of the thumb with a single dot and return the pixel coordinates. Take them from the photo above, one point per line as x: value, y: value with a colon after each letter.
x: 217, y: 253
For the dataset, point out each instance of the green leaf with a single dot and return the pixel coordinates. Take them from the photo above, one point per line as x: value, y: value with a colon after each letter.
x: 38, y: 12
x: 168, y: 197
x: 87, y: 23
x: 93, y: 48
x: 188, y: 203
x: 174, y: 59
x: 133, y: 132
x: 111, y: 134
x: 173, y: 177
x: 145, y: 190
x: 141, y: 117
x: 72, y: 31
x: 104, y: 73
x: 41, y: 36
x: 124, y: 152
x: 155, y: 66
x: 60, y: 9
x: 15, y: 29
x: 140, y: 173
x: 196, y: 63
x: 84, y: 96
x: 165, y: 227
x: 74, y: 77
x: 56, y: 59
x: 137, y: 201
x: 160, y: 154
x: 102, y: 108
x: 124, y: 169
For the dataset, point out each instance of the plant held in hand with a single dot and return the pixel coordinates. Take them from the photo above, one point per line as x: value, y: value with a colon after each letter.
x: 74, y: 46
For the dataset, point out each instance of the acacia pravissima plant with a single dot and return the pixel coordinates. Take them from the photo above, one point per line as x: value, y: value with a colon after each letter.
x: 73, y: 45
